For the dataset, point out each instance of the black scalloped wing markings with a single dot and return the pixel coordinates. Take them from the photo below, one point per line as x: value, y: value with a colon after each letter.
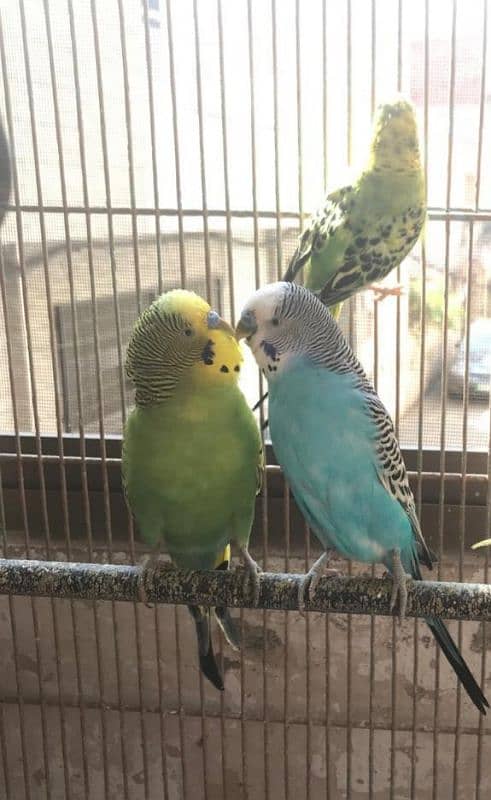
x: 392, y: 471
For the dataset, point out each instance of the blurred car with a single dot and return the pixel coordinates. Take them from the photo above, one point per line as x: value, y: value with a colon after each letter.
x: 479, y: 362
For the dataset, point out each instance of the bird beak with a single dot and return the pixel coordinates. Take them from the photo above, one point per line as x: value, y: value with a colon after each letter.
x: 216, y: 323
x: 247, y: 325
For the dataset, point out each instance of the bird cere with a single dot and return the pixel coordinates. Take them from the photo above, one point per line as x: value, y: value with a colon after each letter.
x: 192, y: 453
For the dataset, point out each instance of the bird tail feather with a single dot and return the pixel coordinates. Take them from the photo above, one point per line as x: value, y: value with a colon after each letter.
x: 456, y: 661
x: 447, y: 644
x: 207, y: 660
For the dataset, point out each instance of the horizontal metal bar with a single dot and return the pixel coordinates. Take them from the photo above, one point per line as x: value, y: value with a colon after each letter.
x: 49, y: 458
x: 252, y: 714
x: 436, y: 213
x: 359, y: 595
x: 476, y: 460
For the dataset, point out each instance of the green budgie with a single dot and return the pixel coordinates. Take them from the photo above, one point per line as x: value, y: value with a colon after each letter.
x: 192, y: 454
x: 363, y: 231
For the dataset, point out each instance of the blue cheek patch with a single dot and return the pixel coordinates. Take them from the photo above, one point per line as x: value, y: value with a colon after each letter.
x: 269, y: 349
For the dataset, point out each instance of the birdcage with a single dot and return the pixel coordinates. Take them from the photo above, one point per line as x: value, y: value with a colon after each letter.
x: 165, y: 143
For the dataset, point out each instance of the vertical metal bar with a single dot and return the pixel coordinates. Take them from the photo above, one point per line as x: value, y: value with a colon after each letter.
x: 371, y: 695
x: 257, y: 281
x: 463, y: 487
x: 52, y: 339
x: 100, y: 408
x: 131, y: 532
x: 155, y: 178
x: 324, y: 91
x: 230, y: 272
x: 394, y: 693
x: 480, y: 738
x: 175, y: 133
x: 86, y: 501
x: 159, y: 637
x: 327, y: 748
x: 107, y: 185
x: 223, y: 105
x: 298, y: 66
x: 279, y: 248
x: 10, y: 361
x: 443, y: 398
x: 204, y: 194
x: 349, y: 631
x: 131, y: 163
x: 107, y: 182
x: 206, y: 243
x: 20, y: 242
x: 482, y: 101
x: 286, y: 673
x: 308, y: 739
x: 265, y: 498
x: 3, y: 528
x: 419, y: 488
x: 182, y: 263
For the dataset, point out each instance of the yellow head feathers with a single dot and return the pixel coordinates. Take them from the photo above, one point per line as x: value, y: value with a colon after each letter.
x: 395, y: 142
x: 179, y: 340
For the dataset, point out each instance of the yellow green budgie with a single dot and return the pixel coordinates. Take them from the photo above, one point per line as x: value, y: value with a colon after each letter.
x: 192, y: 455
x: 364, y: 230
x: 482, y: 543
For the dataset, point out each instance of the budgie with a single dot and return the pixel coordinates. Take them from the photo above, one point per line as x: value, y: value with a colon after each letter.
x: 192, y: 454
x: 338, y: 449
x: 366, y: 229
x: 482, y: 543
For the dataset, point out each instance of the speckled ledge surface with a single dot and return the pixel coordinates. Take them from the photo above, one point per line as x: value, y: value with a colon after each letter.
x: 359, y: 595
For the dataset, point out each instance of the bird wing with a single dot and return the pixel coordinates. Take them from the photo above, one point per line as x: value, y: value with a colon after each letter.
x: 320, y: 233
x: 392, y: 473
x: 373, y: 253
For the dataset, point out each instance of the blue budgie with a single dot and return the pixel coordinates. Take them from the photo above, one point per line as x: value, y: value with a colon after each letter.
x: 338, y: 449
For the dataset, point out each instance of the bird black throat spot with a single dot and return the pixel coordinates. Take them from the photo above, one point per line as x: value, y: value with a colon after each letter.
x: 208, y: 354
x: 269, y: 349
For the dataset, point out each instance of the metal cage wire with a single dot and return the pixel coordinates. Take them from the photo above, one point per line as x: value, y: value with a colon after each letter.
x: 158, y: 143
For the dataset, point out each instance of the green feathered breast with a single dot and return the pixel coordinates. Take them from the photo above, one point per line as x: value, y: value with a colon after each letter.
x: 191, y: 469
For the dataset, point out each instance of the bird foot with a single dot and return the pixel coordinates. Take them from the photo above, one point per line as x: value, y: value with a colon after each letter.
x: 251, y: 578
x: 381, y: 292
x: 149, y: 567
x: 399, y: 585
x: 308, y: 585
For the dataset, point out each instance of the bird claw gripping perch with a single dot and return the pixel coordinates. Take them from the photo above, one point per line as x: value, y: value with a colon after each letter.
x: 150, y: 565
x: 251, y: 579
x: 399, y: 585
x: 381, y: 292
x: 309, y: 582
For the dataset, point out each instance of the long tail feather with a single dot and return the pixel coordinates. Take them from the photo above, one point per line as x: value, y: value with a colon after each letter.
x: 297, y: 261
x: 447, y: 644
x: 457, y: 663
x: 207, y: 660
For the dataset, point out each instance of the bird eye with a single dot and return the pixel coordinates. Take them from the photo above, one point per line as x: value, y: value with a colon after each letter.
x: 275, y: 321
x: 188, y: 332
